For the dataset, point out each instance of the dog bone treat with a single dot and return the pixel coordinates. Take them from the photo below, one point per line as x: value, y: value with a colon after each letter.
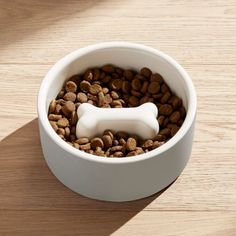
x: 140, y: 120
x: 112, y: 87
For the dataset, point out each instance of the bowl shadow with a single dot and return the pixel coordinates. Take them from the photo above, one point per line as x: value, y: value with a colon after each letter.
x: 33, y: 199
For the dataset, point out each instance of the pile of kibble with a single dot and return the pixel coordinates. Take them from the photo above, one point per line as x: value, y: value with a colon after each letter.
x: 114, y: 87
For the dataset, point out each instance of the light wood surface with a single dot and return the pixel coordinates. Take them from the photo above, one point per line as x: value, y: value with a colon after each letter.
x: 201, y: 35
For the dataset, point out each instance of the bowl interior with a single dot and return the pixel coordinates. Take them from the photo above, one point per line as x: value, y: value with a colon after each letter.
x: 129, y: 58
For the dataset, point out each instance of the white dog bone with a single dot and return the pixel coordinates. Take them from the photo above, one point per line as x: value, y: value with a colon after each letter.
x: 140, y: 120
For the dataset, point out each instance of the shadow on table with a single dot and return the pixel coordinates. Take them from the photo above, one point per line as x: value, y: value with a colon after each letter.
x: 33, y: 198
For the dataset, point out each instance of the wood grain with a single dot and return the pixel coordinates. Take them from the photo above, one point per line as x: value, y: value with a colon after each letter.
x: 201, y: 35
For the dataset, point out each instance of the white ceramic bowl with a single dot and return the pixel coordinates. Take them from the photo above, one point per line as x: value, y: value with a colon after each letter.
x: 117, y: 179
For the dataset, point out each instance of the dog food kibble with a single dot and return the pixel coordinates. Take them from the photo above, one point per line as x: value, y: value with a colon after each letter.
x: 113, y: 87
x: 63, y: 122
x: 71, y: 87
x: 97, y: 142
x: 82, y: 97
x: 131, y: 144
x: 68, y: 107
x: 69, y: 96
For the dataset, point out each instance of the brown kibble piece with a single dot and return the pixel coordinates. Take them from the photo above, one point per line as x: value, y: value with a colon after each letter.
x: 116, y: 148
x: 114, y: 95
x: 131, y: 144
x: 115, y: 142
x: 165, y: 88
x: 82, y: 97
x: 96, y: 74
x: 54, y: 117
x: 165, y: 97
x: 119, y: 71
x: 95, y: 89
x: 52, y: 106
x: 180, y: 122
x: 146, y: 72
x: 160, y: 137
x: 122, y: 141
x: 136, y: 84
x: 60, y: 94
x: 106, y: 105
x: 63, y: 122
x: 90, y: 151
x: 161, y: 120
x: 61, y: 131
x: 70, y: 96
x: 88, y: 75
x: 118, y: 154
x: 73, y: 118
x: 54, y: 125
x: 92, y: 97
x: 126, y: 87
x: 82, y: 141
x: 144, y: 99
x: 73, y: 129
x: 97, y: 142
x: 85, y: 147
x: 174, y: 130
x: 58, y: 109
x: 144, y: 87
x: 61, y: 102
x: 76, y: 145
x: 177, y: 102
x: 84, y: 86
x: 68, y: 107
x: 175, y: 116
x: 109, y: 132
x: 139, y: 150
x: 71, y: 86
x: 154, y: 87
x: 156, y: 78
x: 106, y: 79
x: 61, y: 136
x: 165, y: 122
x: 121, y: 134
x: 99, y: 152
x: 116, y: 84
x: 147, y: 144
x: 72, y: 137
x: 170, y: 125
x: 165, y: 110
x: 108, y: 98
x: 116, y: 104
x: 67, y: 132
x: 132, y: 153
x: 107, y: 140
x: 91, y: 102
x: 136, y: 93
x: 75, y: 78
x: 140, y: 77
x: 101, y: 99
x: 133, y: 101
x: 128, y: 74
x: 108, y: 69
x: 182, y: 112
x: 105, y: 90
x: 157, y: 144
x: 165, y: 132
x: 115, y: 76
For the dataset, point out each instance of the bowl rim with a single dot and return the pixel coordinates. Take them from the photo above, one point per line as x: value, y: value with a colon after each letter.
x: 66, y: 60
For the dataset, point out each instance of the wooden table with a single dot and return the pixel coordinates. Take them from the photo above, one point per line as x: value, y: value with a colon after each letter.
x: 201, y: 35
